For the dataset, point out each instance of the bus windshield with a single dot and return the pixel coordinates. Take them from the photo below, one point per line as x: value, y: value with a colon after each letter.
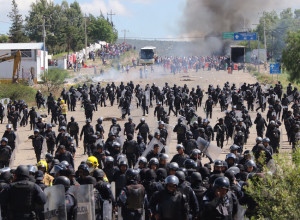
x: 147, y: 54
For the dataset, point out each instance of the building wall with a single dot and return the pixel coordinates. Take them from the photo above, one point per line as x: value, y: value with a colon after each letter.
x: 30, y: 69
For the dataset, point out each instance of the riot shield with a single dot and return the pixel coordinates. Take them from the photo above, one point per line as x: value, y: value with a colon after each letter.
x: 149, y: 148
x: 228, y: 100
x: 107, y: 210
x: 195, y: 118
x: 123, y: 93
x: 14, y: 153
x: 209, y: 149
x: 147, y: 94
x: 85, y: 201
x: 121, y: 138
x: 169, y: 138
x: 290, y: 98
x: 113, y: 188
x: 55, y: 207
x: 238, y: 114
x: 44, y: 149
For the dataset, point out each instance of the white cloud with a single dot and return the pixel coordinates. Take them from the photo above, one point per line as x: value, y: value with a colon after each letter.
x: 95, y: 6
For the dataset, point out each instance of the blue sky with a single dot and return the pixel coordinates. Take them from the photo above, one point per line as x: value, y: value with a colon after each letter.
x: 142, y: 18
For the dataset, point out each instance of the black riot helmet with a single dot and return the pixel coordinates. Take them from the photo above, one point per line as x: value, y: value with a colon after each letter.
x: 62, y: 180
x: 172, y: 180
x: 221, y: 182
x: 190, y: 164
x: 98, y: 174
x: 180, y: 175
x: 22, y: 171
x: 131, y: 175
x: 196, y: 178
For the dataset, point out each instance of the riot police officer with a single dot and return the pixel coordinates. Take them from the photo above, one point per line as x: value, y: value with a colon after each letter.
x: 132, y: 197
x: 130, y: 150
x: 11, y: 136
x: 31, y: 194
x: 129, y: 127
x: 5, y: 153
x: 170, y: 203
x: 143, y: 129
x: 50, y: 139
x: 220, y: 203
x: 87, y: 131
x: 37, y: 143
x: 73, y: 129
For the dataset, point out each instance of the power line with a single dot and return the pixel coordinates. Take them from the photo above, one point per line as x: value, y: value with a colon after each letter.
x: 5, y: 22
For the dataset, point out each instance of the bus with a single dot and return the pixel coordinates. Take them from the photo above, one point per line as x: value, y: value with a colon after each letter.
x: 147, y: 55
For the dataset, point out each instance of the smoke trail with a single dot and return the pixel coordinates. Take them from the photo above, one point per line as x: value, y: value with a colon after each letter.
x: 212, y: 17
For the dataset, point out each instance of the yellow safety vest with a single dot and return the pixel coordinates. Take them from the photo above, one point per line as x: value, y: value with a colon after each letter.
x: 64, y: 109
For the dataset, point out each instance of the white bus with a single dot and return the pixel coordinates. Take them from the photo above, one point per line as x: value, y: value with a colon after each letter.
x: 147, y: 55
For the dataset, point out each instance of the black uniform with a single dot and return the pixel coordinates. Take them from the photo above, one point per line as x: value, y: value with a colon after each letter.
x: 130, y: 148
x: 37, y: 143
x: 31, y: 194
x: 215, y: 208
x: 143, y: 129
x: 221, y: 130
x: 169, y: 206
x: 132, y: 202
x: 50, y: 140
x: 73, y: 130
x: 11, y: 137
x: 5, y: 154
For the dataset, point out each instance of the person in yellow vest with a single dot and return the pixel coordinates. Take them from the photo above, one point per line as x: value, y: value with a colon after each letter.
x: 42, y: 165
x: 64, y: 108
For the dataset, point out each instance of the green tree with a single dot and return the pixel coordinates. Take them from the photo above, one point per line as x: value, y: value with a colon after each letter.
x: 99, y: 29
x: 3, y: 38
x: 277, y: 194
x: 291, y: 56
x: 16, y: 31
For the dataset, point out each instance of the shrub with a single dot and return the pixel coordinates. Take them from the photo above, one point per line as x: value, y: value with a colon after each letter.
x: 17, y: 91
x: 277, y: 195
x: 53, y: 78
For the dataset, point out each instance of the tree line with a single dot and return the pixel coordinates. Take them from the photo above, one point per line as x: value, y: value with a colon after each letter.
x: 65, y: 26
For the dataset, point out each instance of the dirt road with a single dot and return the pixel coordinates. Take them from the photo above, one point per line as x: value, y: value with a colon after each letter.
x: 25, y: 154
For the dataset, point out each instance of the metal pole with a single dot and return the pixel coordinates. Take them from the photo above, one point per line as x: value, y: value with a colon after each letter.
x: 85, y: 38
x: 44, y: 49
x: 265, y: 40
x: 258, y: 54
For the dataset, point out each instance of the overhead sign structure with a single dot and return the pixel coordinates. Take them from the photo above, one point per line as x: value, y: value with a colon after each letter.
x: 275, y: 68
x: 245, y: 36
x: 228, y: 35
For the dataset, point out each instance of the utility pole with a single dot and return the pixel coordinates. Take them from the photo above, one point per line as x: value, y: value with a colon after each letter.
x: 85, y: 35
x: 258, y: 46
x: 265, y: 40
x: 44, y: 40
x: 111, y: 14
x: 125, y: 31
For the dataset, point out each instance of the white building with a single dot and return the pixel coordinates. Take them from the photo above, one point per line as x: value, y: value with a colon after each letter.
x: 31, y: 65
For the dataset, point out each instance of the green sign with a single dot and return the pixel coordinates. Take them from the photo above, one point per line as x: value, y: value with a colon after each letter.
x: 228, y: 35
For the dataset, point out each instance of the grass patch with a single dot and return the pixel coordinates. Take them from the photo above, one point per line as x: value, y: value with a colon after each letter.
x: 17, y: 91
x: 268, y: 78
x: 59, y: 55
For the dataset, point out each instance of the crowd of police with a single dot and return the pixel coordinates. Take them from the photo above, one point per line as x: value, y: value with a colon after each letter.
x: 136, y: 174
